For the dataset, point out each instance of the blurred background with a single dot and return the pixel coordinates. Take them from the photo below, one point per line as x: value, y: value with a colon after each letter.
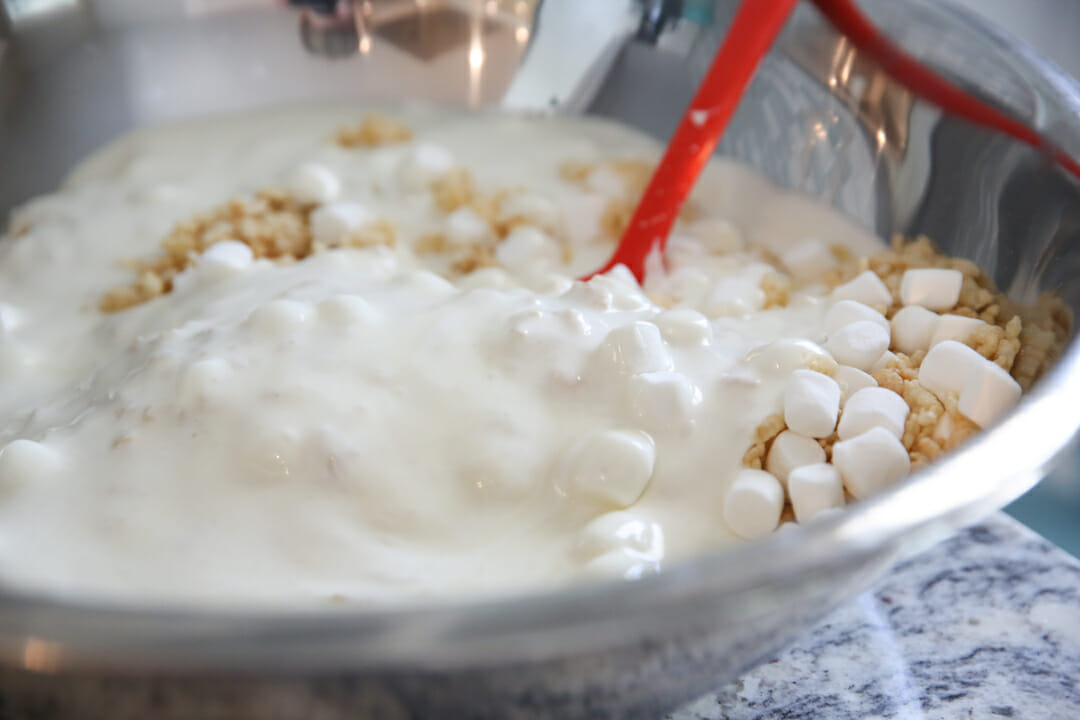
x: 1051, y: 26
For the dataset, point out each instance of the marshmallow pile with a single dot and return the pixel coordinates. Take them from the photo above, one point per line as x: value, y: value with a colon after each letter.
x: 868, y: 455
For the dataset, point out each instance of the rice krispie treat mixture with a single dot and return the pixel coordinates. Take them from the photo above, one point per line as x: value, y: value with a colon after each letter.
x: 336, y: 356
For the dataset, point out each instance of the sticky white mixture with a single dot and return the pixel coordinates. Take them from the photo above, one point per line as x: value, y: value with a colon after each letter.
x: 354, y: 425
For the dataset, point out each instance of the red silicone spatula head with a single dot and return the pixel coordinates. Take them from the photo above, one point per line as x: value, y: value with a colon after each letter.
x: 752, y: 32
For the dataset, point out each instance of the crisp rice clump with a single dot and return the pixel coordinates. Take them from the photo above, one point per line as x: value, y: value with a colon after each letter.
x: 275, y: 225
x: 777, y: 288
x: 373, y: 130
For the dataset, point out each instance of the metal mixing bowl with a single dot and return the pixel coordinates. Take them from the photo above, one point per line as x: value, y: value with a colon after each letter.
x: 818, y: 117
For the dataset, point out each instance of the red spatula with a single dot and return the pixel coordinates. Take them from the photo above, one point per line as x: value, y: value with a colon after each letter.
x: 752, y: 32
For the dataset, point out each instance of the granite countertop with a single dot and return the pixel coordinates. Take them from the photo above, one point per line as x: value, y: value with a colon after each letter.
x: 984, y: 625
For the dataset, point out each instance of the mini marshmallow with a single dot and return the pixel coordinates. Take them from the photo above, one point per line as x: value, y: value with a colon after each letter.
x: 814, y: 488
x: 913, y: 329
x: 871, y: 462
x: 859, y: 344
x: 279, y: 319
x: 24, y: 462
x: 847, y: 312
x: 314, y: 183
x: 753, y: 504
x: 988, y: 393
x: 424, y: 163
x: 809, y: 259
x: 954, y: 327
x: 780, y: 358
x: 527, y: 248
x: 684, y: 327
x: 635, y: 348
x: 866, y: 288
x: 718, y: 236
x: 790, y: 450
x: 932, y: 288
x: 811, y: 403
x: 465, y: 227
x: 225, y: 257
x: 947, y: 366
x: 734, y: 296
x: 622, y: 529
x: 613, y: 467
x: 331, y: 224
x: 873, y: 407
x: 664, y: 401
x: 347, y: 310
x: 852, y: 380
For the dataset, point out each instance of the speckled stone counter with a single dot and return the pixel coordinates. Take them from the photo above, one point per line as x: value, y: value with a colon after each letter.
x: 984, y: 625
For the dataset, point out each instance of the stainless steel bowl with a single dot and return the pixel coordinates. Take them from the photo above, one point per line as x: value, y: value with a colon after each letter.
x: 819, y: 117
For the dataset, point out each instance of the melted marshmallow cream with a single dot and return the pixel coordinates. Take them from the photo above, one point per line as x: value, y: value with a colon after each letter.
x: 366, y: 424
